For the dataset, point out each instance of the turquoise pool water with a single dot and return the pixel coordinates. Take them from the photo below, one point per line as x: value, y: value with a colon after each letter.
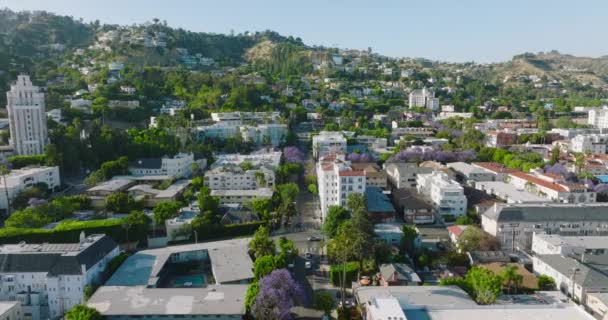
x: 194, y: 281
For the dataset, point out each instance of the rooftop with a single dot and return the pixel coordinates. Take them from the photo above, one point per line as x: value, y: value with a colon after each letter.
x: 509, y: 192
x: 116, y: 184
x: 377, y: 201
x: 212, y: 300
x: 230, y: 261
x: 262, y: 193
x: 547, y: 212
x: 594, y: 242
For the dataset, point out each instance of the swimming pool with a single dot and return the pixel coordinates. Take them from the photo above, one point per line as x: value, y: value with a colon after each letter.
x: 188, y: 281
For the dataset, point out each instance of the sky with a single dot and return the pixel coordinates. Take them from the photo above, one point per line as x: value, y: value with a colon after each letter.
x: 447, y: 30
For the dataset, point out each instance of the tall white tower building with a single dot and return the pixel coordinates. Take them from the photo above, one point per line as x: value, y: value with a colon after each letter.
x: 27, y: 117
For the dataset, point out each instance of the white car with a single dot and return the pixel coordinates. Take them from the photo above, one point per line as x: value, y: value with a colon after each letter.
x: 308, y: 265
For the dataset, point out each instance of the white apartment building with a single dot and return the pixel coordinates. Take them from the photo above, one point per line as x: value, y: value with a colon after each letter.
x: 11, y: 310
x: 233, y: 177
x: 265, y: 134
x: 264, y: 157
x: 241, y: 196
x: 576, y: 276
x: 589, y: 143
x: 244, y: 116
x: 543, y: 243
x: 179, y: 166
x: 446, y: 194
x: 261, y: 134
x: 403, y: 175
x: 514, y: 224
x: 424, y: 98
x: 551, y: 188
x: 26, y: 113
x: 598, y: 118
x: 49, y: 279
x: 337, y: 180
x: 20, y: 179
x: 327, y: 143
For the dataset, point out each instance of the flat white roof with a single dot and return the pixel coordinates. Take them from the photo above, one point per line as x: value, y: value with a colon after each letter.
x: 590, y: 242
x: 385, y: 308
x: 509, y: 192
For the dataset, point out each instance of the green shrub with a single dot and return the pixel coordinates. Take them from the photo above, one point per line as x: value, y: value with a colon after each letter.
x: 335, y: 271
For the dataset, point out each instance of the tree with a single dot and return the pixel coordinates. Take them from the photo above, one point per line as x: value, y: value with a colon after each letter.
x: 119, y: 202
x: 511, y: 278
x: 288, y: 252
x: 166, y: 210
x: 473, y: 239
x: 278, y: 293
x: 134, y: 218
x: 206, y: 202
x: 410, y: 234
x: 82, y: 312
x: 463, y: 220
x: 261, y: 244
x: 252, y: 293
x: 484, y: 284
x: 324, y: 301
x: 4, y: 170
x: 356, y: 202
x: 342, y: 248
x: 263, y: 266
x: 545, y: 282
x: 362, y: 231
x: 555, y: 153
x: 335, y: 216
x: 262, y: 207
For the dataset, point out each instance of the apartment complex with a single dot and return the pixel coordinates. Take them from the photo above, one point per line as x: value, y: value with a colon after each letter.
x: 49, y: 279
x: 233, y: 177
x: 446, y: 194
x: 424, y: 98
x: 403, y: 175
x: 337, y: 179
x: 589, y: 143
x: 327, y: 143
x: 27, y: 117
x: 161, y: 283
x: 514, y: 224
x: 20, y: 179
x: 598, y: 118
x: 179, y: 166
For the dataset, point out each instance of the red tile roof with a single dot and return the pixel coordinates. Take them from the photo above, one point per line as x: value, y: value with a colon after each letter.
x: 352, y: 173
x: 538, y: 181
x: 456, y: 230
x: 493, y: 166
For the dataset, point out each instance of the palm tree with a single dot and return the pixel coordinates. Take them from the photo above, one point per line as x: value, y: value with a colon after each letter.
x: 4, y: 170
x: 511, y: 278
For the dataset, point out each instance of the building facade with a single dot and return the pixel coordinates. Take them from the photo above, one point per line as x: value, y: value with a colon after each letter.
x: 327, y: 143
x: 589, y: 143
x: 403, y: 175
x: 446, y: 194
x: 514, y: 224
x: 20, y: 179
x: 337, y: 180
x: 49, y: 279
x: 598, y: 118
x: 27, y: 116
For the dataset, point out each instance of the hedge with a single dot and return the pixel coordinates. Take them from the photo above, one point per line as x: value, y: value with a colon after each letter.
x: 335, y: 271
x: 223, y: 231
x: 69, y: 232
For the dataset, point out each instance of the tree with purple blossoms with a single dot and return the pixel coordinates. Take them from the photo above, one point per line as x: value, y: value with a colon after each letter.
x: 278, y: 293
x: 293, y: 155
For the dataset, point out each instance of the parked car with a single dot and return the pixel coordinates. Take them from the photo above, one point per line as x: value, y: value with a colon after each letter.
x: 314, y: 238
x: 308, y: 265
x: 308, y: 256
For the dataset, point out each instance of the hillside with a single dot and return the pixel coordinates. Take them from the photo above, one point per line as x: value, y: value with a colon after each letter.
x: 552, y: 66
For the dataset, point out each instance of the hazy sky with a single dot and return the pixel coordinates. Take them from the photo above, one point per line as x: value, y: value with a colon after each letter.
x: 451, y: 30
